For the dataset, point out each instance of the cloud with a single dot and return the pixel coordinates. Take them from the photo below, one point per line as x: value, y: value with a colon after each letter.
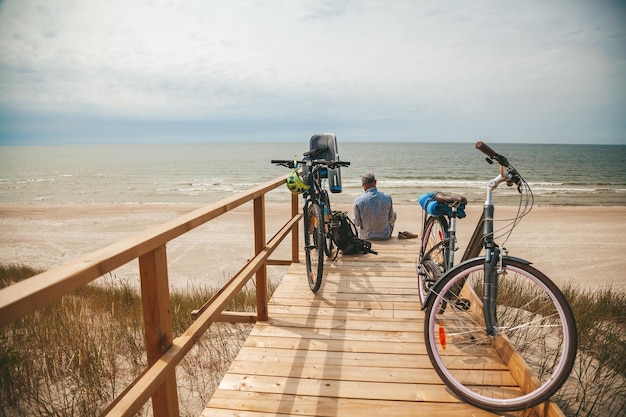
x: 438, y: 70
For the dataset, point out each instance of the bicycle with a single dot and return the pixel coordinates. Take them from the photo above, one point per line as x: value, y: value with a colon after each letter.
x: 310, y: 182
x: 494, y: 303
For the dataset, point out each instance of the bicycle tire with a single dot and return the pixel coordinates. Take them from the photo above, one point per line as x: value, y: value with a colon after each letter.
x: 436, y: 231
x: 434, y: 252
x: 314, y: 246
x: 534, y: 320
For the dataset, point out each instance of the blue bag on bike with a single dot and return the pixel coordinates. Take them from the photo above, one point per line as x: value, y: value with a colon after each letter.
x: 435, y: 208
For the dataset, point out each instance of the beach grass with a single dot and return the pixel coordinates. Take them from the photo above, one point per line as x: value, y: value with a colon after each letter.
x: 597, y: 385
x: 74, y: 356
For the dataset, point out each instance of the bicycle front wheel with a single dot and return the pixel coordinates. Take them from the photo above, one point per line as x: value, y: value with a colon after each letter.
x: 314, y: 246
x: 534, y: 348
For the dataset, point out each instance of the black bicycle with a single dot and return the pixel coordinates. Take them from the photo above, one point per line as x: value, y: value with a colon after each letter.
x: 499, y: 333
x: 308, y: 177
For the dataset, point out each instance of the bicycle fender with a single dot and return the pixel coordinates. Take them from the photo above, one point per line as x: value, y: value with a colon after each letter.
x: 430, y: 297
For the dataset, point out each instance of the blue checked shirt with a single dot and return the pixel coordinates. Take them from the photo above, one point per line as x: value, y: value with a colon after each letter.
x: 373, y: 215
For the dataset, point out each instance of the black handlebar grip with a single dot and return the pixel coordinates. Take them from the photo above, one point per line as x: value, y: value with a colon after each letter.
x: 484, y: 148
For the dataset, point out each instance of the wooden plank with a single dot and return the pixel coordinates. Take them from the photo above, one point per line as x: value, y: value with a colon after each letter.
x: 338, y: 389
x: 357, y: 284
x: 347, y: 358
x: 345, y: 322
x: 402, y: 278
x: 337, y: 345
x: 373, y: 298
x: 329, y: 333
x: 336, y: 369
x: 398, y: 303
x: 253, y: 404
x: 395, y: 311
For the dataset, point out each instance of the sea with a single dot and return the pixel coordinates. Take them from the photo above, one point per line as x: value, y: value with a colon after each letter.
x: 206, y: 173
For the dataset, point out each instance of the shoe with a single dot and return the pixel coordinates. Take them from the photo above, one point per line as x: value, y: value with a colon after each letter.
x: 407, y: 235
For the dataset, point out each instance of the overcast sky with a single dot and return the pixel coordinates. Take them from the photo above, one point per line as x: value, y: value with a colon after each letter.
x: 87, y: 71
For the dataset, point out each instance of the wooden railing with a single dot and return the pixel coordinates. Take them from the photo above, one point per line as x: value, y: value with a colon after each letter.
x: 164, y: 352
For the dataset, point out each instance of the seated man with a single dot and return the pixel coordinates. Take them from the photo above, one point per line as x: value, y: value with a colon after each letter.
x: 373, y: 211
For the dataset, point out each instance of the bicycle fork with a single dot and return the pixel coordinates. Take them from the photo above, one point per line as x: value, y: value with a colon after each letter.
x: 490, y: 289
x: 490, y: 285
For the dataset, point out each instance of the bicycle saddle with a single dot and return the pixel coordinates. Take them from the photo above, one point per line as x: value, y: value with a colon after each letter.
x: 450, y: 199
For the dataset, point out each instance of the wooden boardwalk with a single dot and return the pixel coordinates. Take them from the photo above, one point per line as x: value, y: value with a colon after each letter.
x: 356, y: 348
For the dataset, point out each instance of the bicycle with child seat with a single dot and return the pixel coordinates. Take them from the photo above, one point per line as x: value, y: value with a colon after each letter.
x: 494, y: 303
x: 311, y: 183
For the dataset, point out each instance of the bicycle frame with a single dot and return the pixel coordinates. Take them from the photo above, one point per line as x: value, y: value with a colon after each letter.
x: 481, y: 238
x: 316, y: 190
x: 317, y: 193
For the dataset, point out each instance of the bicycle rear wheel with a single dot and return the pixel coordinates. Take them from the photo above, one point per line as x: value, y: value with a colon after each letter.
x: 528, y: 359
x: 433, y: 254
x: 427, y: 274
x: 314, y: 246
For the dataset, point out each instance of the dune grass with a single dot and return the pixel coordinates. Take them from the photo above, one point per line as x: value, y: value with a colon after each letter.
x: 597, y: 385
x: 74, y: 356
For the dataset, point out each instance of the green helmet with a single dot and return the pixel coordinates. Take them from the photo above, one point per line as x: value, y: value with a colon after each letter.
x: 295, y: 184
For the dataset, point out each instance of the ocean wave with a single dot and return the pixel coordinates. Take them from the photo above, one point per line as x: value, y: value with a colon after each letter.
x: 34, y: 180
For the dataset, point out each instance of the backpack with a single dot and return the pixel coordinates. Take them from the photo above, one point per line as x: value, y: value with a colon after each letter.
x: 345, y: 237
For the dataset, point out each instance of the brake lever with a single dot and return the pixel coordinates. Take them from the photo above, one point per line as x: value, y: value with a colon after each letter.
x: 514, y: 178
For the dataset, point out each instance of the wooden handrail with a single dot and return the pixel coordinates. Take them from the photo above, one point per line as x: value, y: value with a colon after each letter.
x: 163, y: 351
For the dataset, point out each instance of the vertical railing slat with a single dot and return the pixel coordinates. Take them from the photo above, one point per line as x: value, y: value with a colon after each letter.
x: 259, y: 245
x: 158, y: 325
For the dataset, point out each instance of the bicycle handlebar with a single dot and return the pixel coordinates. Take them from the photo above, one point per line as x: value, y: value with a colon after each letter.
x: 484, y: 148
x: 508, y: 175
x: 291, y: 163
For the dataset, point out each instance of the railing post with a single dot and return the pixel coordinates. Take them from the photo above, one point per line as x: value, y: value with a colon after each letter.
x: 295, y: 250
x: 259, y: 245
x: 157, y: 317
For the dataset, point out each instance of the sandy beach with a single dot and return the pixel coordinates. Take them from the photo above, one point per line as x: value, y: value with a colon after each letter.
x: 583, y: 245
